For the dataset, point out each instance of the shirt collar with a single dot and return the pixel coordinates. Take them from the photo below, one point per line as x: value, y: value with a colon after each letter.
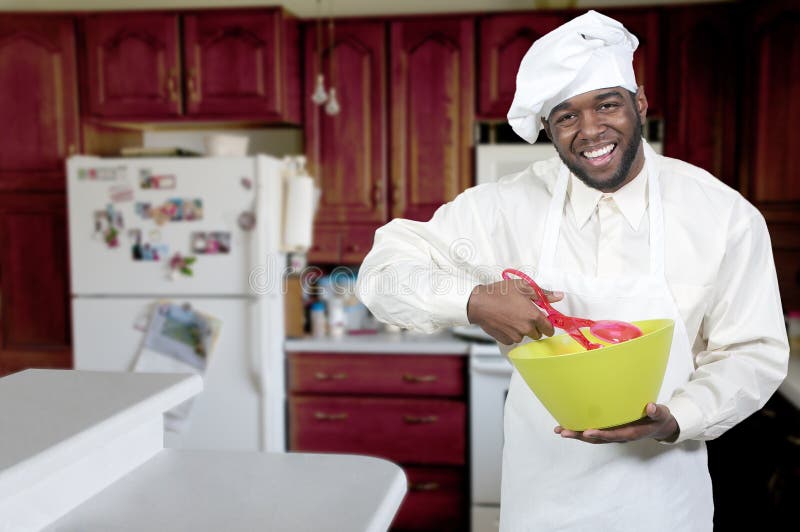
x: 630, y: 199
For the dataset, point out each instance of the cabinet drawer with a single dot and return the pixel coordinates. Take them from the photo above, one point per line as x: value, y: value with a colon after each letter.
x: 436, y: 501
x: 377, y: 374
x: 417, y: 431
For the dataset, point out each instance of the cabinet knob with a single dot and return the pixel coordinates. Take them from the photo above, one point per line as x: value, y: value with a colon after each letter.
x: 377, y: 193
x: 420, y: 420
x: 353, y: 248
x: 423, y: 486
x: 322, y: 416
x: 408, y: 377
x: 322, y: 376
x: 192, y: 83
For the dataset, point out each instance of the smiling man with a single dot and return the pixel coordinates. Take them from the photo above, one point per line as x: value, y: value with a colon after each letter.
x: 617, y: 232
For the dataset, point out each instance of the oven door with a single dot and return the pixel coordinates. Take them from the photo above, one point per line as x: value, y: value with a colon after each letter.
x: 490, y: 375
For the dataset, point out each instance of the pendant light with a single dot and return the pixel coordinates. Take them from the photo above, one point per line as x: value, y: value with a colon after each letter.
x: 319, y: 95
x: 332, y: 107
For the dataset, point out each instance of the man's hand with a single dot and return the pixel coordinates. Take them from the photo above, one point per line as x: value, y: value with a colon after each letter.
x: 505, y: 310
x: 659, y: 424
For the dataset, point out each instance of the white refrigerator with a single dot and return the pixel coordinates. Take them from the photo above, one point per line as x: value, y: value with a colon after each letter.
x: 128, y: 219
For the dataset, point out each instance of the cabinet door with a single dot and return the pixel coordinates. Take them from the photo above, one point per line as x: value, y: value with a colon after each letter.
x: 436, y: 501
x: 432, y: 112
x: 392, y: 428
x: 773, y: 100
x: 704, y: 73
x: 644, y: 23
x: 132, y: 65
x: 38, y: 101
x: 347, y: 152
x: 504, y: 41
x: 236, y: 64
x: 34, y: 282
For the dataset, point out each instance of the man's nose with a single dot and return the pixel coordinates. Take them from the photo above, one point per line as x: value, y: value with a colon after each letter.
x: 591, y: 125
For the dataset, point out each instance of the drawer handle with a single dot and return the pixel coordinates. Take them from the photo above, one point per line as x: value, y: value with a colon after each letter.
x: 322, y: 376
x: 420, y: 378
x: 322, y: 416
x: 418, y: 420
x: 423, y: 486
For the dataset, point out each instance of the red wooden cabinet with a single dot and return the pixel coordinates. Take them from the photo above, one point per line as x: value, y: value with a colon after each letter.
x: 703, y: 78
x: 38, y: 101
x: 771, y: 106
x: 133, y: 65
x: 241, y: 64
x: 432, y: 81
x: 34, y: 282
x: 347, y: 152
x: 504, y: 40
x: 407, y: 408
x: 645, y: 25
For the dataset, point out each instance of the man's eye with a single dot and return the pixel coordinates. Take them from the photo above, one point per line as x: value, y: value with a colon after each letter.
x: 564, y: 117
x: 609, y: 105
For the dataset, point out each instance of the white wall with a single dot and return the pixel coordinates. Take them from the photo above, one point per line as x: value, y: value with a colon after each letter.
x: 309, y: 8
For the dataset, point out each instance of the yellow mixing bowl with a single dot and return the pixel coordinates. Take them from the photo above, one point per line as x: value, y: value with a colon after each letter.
x: 599, y: 388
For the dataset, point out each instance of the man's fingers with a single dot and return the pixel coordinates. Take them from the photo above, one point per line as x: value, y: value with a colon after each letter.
x: 657, y: 412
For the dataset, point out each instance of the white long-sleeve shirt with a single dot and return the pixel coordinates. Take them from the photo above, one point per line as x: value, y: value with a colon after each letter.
x: 719, y: 268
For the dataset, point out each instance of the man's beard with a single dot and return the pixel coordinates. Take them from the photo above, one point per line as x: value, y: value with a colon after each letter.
x: 619, y: 176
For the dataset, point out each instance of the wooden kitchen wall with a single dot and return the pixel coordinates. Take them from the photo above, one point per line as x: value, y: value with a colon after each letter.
x: 725, y: 79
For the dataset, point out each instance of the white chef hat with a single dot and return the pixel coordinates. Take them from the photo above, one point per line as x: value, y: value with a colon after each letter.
x: 589, y: 52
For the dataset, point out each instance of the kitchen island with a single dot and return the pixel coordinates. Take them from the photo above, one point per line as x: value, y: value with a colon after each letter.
x: 83, y: 451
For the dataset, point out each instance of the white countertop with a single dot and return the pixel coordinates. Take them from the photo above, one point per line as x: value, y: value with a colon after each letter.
x: 238, y: 491
x: 442, y: 343
x: 83, y: 451
x: 790, y: 388
x: 50, y: 418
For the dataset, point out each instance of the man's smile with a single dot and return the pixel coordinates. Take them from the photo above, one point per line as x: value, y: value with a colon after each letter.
x: 599, y: 156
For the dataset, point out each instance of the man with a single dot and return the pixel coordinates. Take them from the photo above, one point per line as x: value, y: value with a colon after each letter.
x: 621, y: 233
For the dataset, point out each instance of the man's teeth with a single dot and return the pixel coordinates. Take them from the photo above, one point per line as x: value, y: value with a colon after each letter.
x: 598, y: 153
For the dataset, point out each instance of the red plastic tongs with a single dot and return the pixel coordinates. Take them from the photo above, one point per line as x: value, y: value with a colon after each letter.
x: 569, y: 324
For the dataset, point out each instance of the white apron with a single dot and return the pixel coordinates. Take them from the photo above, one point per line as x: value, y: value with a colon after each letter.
x: 551, y: 483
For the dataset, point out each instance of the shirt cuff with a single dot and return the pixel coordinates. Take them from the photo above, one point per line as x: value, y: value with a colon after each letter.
x: 450, y: 308
x: 688, y: 416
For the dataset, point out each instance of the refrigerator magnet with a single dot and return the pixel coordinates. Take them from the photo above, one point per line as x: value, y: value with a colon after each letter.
x: 247, y: 220
x: 142, y: 209
x: 181, y: 265
x: 144, y: 250
x: 211, y: 242
x: 150, y: 181
x: 247, y: 183
x: 121, y: 193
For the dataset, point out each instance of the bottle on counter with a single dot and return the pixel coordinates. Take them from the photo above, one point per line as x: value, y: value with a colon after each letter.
x: 336, y: 317
x: 318, y: 319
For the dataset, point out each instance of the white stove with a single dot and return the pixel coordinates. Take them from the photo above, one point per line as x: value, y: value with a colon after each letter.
x: 490, y: 374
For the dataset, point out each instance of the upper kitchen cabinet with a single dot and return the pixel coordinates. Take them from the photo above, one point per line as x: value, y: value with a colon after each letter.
x: 133, y: 65
x: 38, y: 101
x: 771, y: 171
x: 773, y: 101
x: 237, y: 65
x: 645, y: 25
x: 242, y: 64
x: 432, y: 81
x: 703, y: 73
x: 504, y: 39
x: 347, y: 151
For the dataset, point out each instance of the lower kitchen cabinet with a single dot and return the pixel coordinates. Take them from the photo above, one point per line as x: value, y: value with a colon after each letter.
x: 410, y: 409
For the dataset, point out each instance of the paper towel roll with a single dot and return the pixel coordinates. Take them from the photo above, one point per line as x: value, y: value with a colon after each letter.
x: 298, y: 214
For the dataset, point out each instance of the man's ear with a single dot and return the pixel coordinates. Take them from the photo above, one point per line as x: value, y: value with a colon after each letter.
x: 546, y: 127
x: 641, y: 104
